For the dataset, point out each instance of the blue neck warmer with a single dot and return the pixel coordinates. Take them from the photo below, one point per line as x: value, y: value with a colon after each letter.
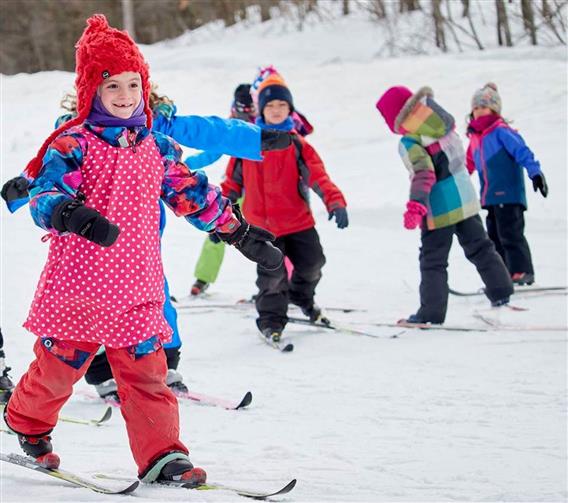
x: 286, y: 125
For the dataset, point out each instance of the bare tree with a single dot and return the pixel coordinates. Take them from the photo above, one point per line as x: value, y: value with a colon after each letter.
x: 503, y: 30
x: 408, y: 5
x: 548, y: 15
x: 438, y: 19
x: 528, y: 19
x: 264, y: 10
x: 376, y: 8
x: 128, y: 17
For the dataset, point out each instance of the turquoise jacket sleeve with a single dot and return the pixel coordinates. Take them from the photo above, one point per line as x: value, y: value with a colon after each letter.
x: 223, y: 136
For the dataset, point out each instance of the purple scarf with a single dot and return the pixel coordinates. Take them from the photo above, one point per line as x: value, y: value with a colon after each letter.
x: 100, y: 116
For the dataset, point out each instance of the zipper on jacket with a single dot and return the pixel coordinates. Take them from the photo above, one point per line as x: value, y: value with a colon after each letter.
x: 132, y: 140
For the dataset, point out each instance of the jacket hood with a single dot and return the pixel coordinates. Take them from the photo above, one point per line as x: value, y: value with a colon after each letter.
x: 421, y: 115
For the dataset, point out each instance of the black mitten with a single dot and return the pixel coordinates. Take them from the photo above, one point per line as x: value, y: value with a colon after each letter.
x: 214, y: 238
x: 539, y: 183
x: 73, y: 216
x: 341, y: 218
x: 270, y: 139
x: 254, y: 243
x: 14, y: 189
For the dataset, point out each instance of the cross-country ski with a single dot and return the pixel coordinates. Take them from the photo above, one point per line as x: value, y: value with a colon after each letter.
x: 66, y: 476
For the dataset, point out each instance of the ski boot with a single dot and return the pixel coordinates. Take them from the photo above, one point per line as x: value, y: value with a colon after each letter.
x: 415, y: 319
x: 198, y: 287
x: 40, y: 449
x: 183, y: 472
x: 313, y: 312
x: 500, y: 302
x: 272, y: 334
x: 522, y: 278
x: 174, y: 380
x: 6, y: 384
x: 108, y: 391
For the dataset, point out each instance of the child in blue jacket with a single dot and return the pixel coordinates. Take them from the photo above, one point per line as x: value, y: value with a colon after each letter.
x: 499, y: 153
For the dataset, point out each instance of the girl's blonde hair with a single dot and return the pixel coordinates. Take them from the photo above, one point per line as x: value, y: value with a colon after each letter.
x: 69, y: 100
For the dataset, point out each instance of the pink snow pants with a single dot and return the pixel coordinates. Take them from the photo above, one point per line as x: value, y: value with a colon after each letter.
x: 149, y: 408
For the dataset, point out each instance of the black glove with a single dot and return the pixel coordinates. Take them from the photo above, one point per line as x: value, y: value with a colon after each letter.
x: 214, y: 238
x: 254, y: 243
x: 16, y: 188
x: 539, y: 183
x: 270, y: 139
x: 341, y: 218
x: 73, y: 216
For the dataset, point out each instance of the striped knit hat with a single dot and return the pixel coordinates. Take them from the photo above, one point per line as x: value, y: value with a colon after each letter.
x: 101, y: 51
x: 487, y: 97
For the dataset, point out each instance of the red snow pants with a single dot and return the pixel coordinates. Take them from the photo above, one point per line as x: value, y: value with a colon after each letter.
x: 149, y: 408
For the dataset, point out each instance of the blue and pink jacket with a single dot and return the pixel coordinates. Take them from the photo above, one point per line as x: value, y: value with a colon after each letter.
x: 499, y: 153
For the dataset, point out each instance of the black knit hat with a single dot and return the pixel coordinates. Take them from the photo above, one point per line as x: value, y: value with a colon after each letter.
x: 274, y: 88
x: 242, y: 96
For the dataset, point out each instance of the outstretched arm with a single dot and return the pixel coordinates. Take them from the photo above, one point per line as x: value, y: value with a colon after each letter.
x: 223, y: 136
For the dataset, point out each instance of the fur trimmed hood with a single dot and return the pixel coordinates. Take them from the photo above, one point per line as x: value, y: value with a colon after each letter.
x: 410, y: 104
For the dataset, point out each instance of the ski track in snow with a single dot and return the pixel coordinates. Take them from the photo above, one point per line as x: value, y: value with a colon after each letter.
x: 430, y: 416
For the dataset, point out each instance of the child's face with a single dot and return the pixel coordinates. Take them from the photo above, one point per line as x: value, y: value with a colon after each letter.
x: 481, y: 111
x: 276, y: 111
x: 121, y: 94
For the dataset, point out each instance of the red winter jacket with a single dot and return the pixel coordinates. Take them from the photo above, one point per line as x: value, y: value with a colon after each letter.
x: 277, y: 195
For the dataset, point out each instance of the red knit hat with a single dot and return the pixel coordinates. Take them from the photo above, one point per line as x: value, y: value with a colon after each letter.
x: 101, y: 51
x: 391, y: 102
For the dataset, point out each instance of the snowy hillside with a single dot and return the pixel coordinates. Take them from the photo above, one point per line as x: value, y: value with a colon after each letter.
x: 428, y: 416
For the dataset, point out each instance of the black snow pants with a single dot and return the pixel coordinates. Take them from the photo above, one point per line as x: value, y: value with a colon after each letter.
x: 304, y: 251
x: 506, y: 228
x: 478, y: 249
x: 99, y: 370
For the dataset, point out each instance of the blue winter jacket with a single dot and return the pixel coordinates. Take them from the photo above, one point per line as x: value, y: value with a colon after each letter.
x: 499, y: 154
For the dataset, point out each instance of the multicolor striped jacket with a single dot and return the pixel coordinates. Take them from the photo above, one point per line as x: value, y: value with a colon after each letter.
x: 434, y: 155
x: 499, y: 154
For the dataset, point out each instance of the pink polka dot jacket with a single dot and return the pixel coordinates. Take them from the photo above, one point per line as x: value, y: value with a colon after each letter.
x: 114, y: 296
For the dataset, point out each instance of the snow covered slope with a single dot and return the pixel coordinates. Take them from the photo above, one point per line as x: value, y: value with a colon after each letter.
x: 429, y: 416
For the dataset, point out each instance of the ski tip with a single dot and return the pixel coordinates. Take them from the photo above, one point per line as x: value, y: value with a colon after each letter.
x: 106, y: 416
x: 290, y: 485
x: 245, y: 402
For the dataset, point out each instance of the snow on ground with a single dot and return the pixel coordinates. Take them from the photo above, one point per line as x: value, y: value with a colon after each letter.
x: 429, y: 416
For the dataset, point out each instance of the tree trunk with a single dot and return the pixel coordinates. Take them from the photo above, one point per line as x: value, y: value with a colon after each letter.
x: 377, y: 9
x: 503, y: 30
x: 465, y: 11
x: 345, y: 7
x: 439, y: 25
x: 128, y: 18
x: 408, y: 5
x: 264, y: 10
x: 528, y: 19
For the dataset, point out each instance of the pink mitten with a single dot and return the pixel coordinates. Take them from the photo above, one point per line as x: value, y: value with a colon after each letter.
x: 413, y: 215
